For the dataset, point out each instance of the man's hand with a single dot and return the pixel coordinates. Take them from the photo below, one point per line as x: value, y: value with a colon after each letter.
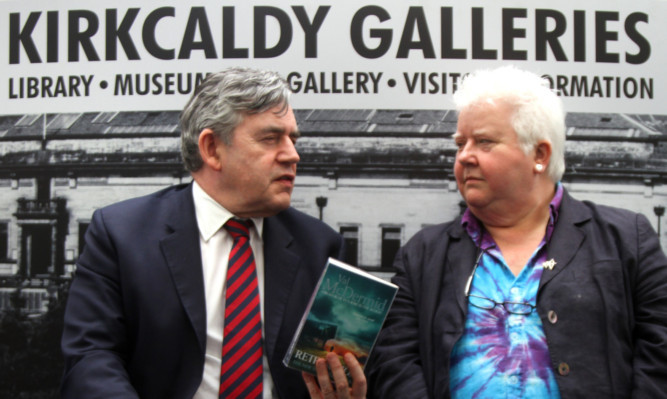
x: 321, y: 387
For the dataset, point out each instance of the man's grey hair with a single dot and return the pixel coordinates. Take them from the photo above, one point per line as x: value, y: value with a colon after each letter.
x: 538, y: 111
x: 222, y: 100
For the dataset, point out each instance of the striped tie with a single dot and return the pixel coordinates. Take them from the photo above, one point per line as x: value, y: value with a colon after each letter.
x: 241, y: 370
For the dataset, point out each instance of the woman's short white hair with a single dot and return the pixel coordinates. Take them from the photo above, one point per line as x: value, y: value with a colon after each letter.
x: 538, y: 111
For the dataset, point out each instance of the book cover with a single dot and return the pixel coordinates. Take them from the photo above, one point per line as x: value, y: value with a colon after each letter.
x: 345, y: 314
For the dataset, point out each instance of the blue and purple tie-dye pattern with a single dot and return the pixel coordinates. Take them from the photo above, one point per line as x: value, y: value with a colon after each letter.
x: 503, y: 355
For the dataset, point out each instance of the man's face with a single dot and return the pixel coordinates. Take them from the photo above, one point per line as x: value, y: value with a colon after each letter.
x: 259, y: 166
x: 492, y: 171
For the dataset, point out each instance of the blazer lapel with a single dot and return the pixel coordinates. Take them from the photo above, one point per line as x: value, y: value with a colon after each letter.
x: 461, y: 264
x: 280, y: 269
x: 567, y: 237
x: 180, y: 247
x: 453, y: 263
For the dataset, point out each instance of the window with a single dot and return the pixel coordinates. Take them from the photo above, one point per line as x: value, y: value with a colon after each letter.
x: 36, y: 248
x: 63, y: 121
x: 27, y: 120
x: 4, y: 240
x: 6, y: 298
x: 104, y: 117
x: 351, y: 236
x: 391, y: 242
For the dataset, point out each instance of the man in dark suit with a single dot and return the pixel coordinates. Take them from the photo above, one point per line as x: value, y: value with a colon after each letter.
x: 146, y: 308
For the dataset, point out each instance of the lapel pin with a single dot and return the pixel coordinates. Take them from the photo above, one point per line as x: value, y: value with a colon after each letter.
x: 549, y: 264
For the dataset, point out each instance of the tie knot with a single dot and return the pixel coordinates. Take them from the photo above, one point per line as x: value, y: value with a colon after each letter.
x: 238, y: 228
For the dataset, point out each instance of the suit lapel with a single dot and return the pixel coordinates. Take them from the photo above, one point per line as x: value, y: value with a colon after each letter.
x: 180, y: 246
x: 280, y: 269
x: 567, y: 237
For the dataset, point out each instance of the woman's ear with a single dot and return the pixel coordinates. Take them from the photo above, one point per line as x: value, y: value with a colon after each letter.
x: 208, y: 149
x: 542, y: 153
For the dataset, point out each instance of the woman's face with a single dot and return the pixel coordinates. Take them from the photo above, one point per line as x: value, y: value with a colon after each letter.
x: 492, y: 171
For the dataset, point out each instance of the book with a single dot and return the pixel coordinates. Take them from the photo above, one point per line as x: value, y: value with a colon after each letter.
x: 345, y: 314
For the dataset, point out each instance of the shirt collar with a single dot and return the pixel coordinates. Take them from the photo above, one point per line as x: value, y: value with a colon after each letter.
x: 474, y: 227
x: 211, y: 216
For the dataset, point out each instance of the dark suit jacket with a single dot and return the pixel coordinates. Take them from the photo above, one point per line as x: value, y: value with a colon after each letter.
x: 135, y: 324
x: 603, y: 308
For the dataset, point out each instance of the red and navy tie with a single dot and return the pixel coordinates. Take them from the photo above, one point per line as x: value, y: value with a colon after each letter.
x: 241, y: 370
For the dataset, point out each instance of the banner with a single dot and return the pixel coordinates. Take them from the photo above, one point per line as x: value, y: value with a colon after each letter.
x: 90, y: 93
x: 59, y: 56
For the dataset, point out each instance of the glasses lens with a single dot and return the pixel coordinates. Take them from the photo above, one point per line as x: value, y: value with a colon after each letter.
x: 481, y: 302
x: 518, y: 308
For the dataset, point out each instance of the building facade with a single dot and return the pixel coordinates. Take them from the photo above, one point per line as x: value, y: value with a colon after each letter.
x: 376, y: 176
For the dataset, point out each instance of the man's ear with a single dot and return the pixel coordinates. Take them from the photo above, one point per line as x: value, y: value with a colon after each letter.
x: 208, y: 149
x: 542, y: 152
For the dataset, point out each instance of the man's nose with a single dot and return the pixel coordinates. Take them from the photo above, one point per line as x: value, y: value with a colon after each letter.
x: 288, y: 151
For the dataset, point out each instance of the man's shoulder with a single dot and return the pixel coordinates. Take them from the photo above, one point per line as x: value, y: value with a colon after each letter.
x: 166, y: 204
x: 149, y: 201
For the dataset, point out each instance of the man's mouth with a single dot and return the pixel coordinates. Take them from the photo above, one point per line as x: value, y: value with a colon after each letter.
x: 286, y: 179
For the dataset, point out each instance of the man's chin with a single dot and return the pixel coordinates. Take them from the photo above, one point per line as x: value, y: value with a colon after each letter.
x: 275, y: 208
x: 281, y: 207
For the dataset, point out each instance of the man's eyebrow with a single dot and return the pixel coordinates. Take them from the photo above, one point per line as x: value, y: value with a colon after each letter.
x: 273, y: 129
x: 280, y: 130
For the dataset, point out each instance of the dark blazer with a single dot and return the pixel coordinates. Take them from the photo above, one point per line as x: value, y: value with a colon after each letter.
x: 603, y: 308
x: 135, y: 324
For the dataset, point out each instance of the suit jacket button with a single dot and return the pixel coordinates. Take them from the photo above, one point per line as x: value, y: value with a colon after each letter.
x: 552, y: 316
x: 563, y: 369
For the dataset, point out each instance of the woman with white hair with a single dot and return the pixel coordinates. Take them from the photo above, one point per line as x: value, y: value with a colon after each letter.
x: 530, y: 293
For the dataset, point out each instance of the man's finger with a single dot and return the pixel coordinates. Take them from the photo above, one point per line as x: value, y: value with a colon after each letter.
x: 311, y: 384
x: 340, y: 379
x: 358, y: 377
x: 323, y: 379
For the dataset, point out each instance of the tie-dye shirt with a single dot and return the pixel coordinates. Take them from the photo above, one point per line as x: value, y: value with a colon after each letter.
x: 503, y: 355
